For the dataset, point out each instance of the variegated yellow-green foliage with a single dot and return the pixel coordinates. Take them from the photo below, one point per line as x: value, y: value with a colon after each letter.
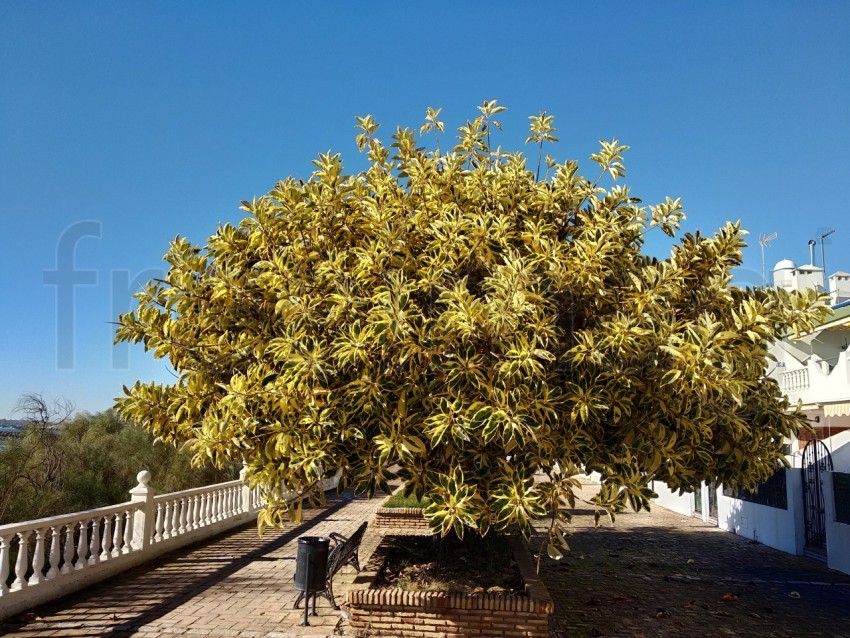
x: 461, y: 321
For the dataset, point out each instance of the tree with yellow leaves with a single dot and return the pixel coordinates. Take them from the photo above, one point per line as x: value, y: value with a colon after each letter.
x: 462, y: 322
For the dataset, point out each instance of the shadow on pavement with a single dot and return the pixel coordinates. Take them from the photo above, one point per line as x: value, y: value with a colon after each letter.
x: 689, y: 580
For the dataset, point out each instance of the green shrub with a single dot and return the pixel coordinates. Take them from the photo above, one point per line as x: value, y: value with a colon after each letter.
x: 399, y: 499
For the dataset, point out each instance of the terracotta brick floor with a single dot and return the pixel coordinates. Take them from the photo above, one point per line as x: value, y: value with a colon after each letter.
x: 655, y: 574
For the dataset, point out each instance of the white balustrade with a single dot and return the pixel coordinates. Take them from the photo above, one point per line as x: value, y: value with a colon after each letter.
x: 51, y: 549
x: 795, y: 380
x: 51, y: 557
x: 185, y: 512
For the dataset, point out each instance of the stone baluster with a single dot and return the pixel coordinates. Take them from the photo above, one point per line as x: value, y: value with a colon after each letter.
x: 189, y: 505
x: 244, y: 490
x: 94, y: 546
x: 68, y: 554
x: 175, y: 517
x: 21, y: 562
x: 82, y: 544
x: 128, y: 532
x: 184, y: 505
x: 4, y: 564
x: 160, y: 525
x: 207, y: 508
x: 38, y: 558
x: 166, y: 517
x: 53, y: 557
x: 201, y: 511
x: 143, y: 518
x: 196, y: 512
x: 106, y: 538
x: 116, y: 534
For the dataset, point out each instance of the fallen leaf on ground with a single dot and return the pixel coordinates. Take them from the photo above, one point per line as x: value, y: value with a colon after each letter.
x: 795, y: 594
x: 728, y: 597
x: 29, y: 617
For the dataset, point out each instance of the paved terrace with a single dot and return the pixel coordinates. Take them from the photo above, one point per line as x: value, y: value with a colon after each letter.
x: 651, y: 574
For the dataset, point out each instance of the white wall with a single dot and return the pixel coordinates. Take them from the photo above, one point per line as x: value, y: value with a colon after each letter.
x: 839, y: 448
x: 837, y: 534
x: 771, y: 526
x: 774, y: 527
x: 672, y: 500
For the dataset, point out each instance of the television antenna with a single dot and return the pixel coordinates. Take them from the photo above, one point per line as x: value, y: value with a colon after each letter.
x: 764, y: 242
x: 822, y: 254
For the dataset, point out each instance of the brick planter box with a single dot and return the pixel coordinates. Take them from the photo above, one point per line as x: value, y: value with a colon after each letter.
x: 405, y: 614
x: 401, y: 518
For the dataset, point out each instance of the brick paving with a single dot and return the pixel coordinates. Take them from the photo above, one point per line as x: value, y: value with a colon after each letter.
x: 650, y: 575
x: 661, y: 574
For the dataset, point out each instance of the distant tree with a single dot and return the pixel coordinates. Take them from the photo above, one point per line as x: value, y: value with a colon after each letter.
x: 105, y: 453
x: 33, y: 466
x: 65, y: 464
x: 471, y: 322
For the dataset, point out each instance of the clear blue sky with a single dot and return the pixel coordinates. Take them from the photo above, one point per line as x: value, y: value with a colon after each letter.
x: 123, y: 124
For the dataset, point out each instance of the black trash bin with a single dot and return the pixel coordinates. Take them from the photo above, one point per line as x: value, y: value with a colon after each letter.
x: 311, y: 563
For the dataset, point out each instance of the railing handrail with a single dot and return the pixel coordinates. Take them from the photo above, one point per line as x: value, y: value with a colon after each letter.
x: 159, y: 498
x: 64, y: 519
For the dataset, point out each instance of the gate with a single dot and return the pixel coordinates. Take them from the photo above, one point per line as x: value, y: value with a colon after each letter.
x: 698, y: 500
x: 712, y: 502
x: 816, y: 460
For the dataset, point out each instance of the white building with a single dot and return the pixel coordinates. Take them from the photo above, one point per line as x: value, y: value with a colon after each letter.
x: 801, y: 510
x: 813, y: 369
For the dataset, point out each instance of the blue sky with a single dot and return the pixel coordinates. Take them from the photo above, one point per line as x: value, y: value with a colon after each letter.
x: 124, y: 124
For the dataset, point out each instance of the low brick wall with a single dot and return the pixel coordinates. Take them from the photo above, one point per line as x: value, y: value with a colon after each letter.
x: 401, y: 518
x: 391, y: 612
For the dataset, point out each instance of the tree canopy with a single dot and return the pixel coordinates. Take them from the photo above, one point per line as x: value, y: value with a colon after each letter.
x: 463, y: 319
x: 68, y: 463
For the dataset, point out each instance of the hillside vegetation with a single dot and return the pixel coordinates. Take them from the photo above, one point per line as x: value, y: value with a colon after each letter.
x: 66, y: 464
